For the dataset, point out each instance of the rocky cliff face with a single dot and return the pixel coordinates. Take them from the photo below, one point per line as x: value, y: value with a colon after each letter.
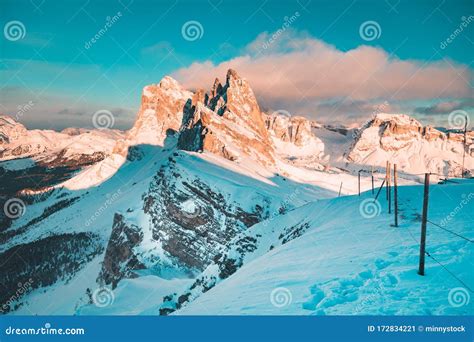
x: 295, y: 142
x: 295, y: 129
x: 120, y: 260
x: 192, y: 219
x: 228, y: 122
x: 161, y: 109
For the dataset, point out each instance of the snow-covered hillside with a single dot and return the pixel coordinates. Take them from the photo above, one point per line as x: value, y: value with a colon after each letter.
x: 46, y: 145
x: 348, y: 258
x: 208, y: 202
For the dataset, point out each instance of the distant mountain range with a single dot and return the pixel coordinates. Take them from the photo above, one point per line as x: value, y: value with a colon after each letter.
x: 201, y: 185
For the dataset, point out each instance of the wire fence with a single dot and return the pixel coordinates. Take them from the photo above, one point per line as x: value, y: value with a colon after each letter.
x: 418, y: 243
x: 450, y: 231
x: 427, y: 253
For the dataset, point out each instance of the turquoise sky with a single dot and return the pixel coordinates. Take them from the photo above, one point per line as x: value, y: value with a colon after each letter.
x: 52, y: 67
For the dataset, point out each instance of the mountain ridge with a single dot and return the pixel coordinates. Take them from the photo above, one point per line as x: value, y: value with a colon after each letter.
x: 199, y: 181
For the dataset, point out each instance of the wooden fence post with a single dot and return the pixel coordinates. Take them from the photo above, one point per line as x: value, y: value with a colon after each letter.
x: 358, y: 177
x: 464, y: 147
x: 389, y: 188
x: 395, y: 193
x: 372, y: 175
x: 380, y: 189
x: 421, y: 267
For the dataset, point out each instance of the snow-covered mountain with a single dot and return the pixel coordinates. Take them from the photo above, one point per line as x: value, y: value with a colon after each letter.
x: 295, y: 141
x: 35, y: 160
x: 413, y: 147
x: 46, y: 145
x: 203, y: 186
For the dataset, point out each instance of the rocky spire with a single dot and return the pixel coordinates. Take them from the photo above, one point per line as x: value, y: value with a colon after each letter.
x: 230, y: 123
x: 216, y: 88
x: 161, y: 110
x: 226, y: 121
x: 232, y: 76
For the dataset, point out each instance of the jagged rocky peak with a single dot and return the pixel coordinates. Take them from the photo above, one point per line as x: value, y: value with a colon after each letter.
x: 232, y: 75
x: 294, y: 129
x: 415, y: 148
x: 295, y: 141
x: 216, y: 88
x: 168, y: 82
x: 390, y: 132
x: 199, y: 96
x: 403, y: 127
x: 241, y: 101
x: 161, y: 109
x: 402, y: 119
x: 227, y: 121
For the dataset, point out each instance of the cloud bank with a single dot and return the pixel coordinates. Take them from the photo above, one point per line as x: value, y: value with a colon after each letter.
x: 306, y: 74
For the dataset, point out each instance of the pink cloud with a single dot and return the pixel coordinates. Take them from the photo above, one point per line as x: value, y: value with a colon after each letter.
x: 300, y: 68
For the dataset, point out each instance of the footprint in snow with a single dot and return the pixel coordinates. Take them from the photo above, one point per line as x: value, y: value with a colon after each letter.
x: 381, y: 264
x: 365, y: 287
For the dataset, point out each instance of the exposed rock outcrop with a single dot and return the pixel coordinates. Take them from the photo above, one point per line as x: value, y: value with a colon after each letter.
x: 120, y: 260
x: 161, y: 110
x: 227, y: 122
x: 415, y: 148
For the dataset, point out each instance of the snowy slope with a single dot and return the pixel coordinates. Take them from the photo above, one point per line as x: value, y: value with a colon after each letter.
x: 209, y: 204
x: 92, y: 212
x: 346, y: 263
x: 242, y: 187
x: 18, y: 142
